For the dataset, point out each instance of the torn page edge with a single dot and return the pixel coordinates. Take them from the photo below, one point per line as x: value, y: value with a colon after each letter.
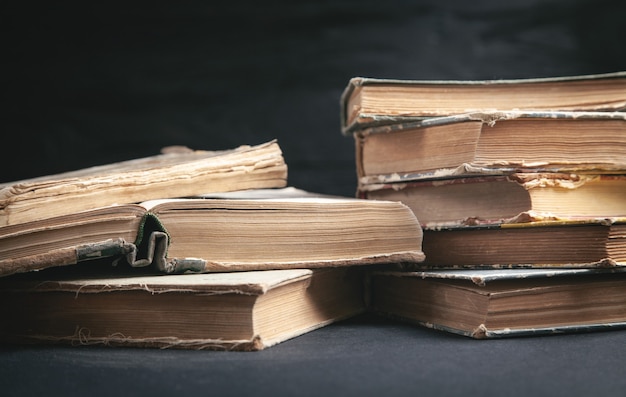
x: 83, y: 337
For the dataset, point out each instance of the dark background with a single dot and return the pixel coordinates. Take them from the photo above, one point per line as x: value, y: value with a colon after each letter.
x: 87, y: 83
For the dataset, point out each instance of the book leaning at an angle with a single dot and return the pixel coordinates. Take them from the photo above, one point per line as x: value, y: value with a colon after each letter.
x: 367, y: 102
x: 583, y: 243
x: 486, y: 304
x: 492, y: 143
x: 176, y: 172
x: 244, y: 311
x: 257, y: 229
x: 520, y: 197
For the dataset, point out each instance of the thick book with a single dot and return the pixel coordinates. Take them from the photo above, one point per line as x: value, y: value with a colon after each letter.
x: 492, y: 143
x: 520, y: 197
x: 244, y: 311
x: 175, y: 172
x: 486, y: 304
x: 588, y: 243
x: 367, y: 102
x: 256, y: 229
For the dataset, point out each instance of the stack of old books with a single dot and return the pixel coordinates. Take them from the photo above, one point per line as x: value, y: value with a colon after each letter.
x: 188, y: 249
x: 520, y: 187
x: 492, y: 208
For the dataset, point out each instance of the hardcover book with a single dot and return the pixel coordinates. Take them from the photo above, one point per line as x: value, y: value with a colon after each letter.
x: 492, y: 143
x: 368, y: 102
x: 255, y: 229
x: 177, y: 172
x: 588, y: 243
x: 244, y: 311
x: 486, y: 304
x: 521, y: 197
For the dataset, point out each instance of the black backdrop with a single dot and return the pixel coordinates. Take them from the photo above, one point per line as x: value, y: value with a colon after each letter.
x: 86, y: 83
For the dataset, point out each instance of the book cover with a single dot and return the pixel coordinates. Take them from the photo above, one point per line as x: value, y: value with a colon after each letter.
x: 279, y: 229
x: 246, y: 311
x: 488, y: 304
x: 368, y: 102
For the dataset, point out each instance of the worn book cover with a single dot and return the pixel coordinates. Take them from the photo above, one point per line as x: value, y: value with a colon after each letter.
x: 244, y: 311
x: 368, y: 102
x: 487, y: 304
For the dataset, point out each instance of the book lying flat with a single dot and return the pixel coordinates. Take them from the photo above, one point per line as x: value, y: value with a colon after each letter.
x: 174, y: 173
x: 244, y: 311
x: 485, y: 304
x: 367, y: 102
x: 522, y: 197
x: 492, y: 143
x: 246, y: 230
x: 587, y: 243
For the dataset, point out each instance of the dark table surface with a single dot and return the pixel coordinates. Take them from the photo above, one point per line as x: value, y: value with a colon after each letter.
x: 363, y: 356
x: 87, y: 83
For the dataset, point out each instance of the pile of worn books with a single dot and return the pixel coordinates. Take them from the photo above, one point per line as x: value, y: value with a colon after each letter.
x: 484, y: 208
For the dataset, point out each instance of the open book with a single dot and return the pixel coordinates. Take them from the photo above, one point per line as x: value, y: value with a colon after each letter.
x: 245, y: 230
x: 503, y: 303
x: 368, y: 102
x: 227, y: 311
x: 174, y: 173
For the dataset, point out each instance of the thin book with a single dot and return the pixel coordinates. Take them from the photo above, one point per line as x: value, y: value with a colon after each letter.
x: 583, y: 243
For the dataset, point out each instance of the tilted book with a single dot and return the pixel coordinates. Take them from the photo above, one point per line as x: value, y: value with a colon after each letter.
x: 492, y: 143
x: 486, y: 304
x: 177, y: 172
x: 367, y: 102
x: 586, y: 243
x: 520, y: 197
x: 244, y: 311
x: 255, y: 229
